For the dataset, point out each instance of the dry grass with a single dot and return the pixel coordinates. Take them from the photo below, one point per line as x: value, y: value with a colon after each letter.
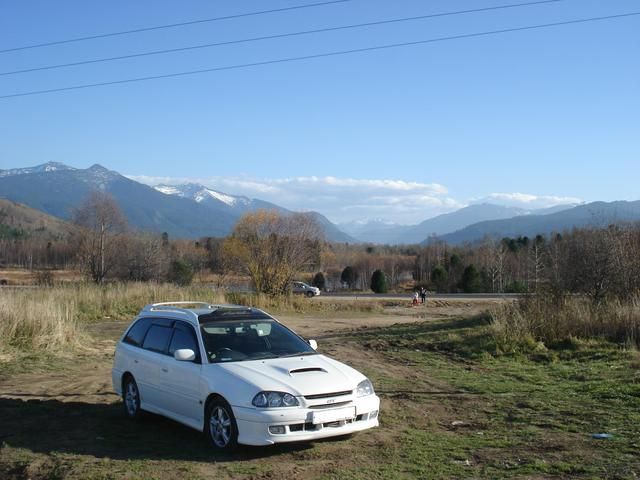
x: 554, y: 320
x: 37, y: 323
x: 50, y: 319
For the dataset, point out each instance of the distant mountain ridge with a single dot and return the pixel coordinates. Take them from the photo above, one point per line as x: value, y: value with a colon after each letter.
x: 45, y: 167
x: 379, y: 231
x: 193, y: 211
x: 595, y: 214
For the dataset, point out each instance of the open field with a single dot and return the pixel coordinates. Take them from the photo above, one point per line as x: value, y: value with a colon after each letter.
x: 450, y: 409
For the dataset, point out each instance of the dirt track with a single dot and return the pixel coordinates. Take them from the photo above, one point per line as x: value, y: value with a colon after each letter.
x: 72, y: 421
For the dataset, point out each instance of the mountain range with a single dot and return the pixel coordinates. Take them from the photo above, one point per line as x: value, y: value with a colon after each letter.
x: 379, y: 231
x: 183, y: 211
x: 595, y: 214
x: 193, y: 210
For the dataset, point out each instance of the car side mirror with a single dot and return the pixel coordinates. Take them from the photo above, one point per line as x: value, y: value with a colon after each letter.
x: 184, y: 355
x: 313, y: 344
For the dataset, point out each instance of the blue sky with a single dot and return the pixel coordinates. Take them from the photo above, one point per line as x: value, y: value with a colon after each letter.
x: 529, y: 118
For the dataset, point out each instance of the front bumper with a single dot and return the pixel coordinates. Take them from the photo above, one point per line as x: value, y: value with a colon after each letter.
x: 297, y: 423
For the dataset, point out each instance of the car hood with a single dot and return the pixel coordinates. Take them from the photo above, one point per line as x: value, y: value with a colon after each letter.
x: 304, y: 375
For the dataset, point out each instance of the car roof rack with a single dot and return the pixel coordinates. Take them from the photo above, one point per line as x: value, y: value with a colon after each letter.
x: 233, y: 312
x: 178, y: 306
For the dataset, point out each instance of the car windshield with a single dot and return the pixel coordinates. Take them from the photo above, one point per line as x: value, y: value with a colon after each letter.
x: 240, y: 340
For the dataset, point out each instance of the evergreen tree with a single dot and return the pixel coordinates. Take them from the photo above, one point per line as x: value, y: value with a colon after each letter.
x: 471, y: 281
x: 379, y: 282
x: 319, y: 281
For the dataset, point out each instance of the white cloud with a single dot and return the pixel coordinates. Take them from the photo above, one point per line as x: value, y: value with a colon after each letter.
x: 527, y: 200
x: 349, y: 199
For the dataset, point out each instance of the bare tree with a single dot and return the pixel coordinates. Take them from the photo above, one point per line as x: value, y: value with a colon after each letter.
x: 102, y: 227
x: 273, y: 248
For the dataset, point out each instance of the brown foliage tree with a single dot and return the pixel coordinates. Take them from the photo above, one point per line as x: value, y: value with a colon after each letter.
x: 272, y: 248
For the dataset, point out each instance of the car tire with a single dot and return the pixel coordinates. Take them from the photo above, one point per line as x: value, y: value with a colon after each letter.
x: 220, y: 425
x: 309, y: 294
x: 131, y: 398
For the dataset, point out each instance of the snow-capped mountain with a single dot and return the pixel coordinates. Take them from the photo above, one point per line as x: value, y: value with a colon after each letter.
x: 206, y: 196
x: 45, y: 167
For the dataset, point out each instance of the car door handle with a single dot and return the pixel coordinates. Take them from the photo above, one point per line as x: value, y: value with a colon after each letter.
x: 165, y: 370
x: 135, y: 361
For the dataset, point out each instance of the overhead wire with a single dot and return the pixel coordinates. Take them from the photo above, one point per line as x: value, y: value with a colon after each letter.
x: 172, y: 25
x: 276, y: 36
x: 325, y: 54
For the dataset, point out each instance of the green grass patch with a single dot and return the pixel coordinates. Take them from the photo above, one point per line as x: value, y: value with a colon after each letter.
x: 522, y: 414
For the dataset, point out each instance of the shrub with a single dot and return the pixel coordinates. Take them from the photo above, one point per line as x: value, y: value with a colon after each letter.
x: 319, y: 281
x: 349, y: 276
x: 379, y: 282
x: 555, y: 320
x: 180, y: 273
x: 471, y: 282
x: 515, y: 287
x: 440, y: 278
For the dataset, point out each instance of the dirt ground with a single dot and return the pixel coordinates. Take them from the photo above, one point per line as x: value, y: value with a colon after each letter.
x: 67, y: 423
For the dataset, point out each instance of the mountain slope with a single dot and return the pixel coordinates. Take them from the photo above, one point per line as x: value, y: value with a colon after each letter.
x: 596, y: 214
x: 374, y: 231
x: 331, y: 232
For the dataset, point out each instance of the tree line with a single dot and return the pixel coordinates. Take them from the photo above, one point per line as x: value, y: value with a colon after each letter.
x: 273, y: 250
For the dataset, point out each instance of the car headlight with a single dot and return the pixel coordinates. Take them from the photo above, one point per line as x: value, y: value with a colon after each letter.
x: 364, y: 388
x: 274, y: 399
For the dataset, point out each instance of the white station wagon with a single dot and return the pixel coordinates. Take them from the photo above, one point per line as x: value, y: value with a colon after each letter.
x: 239, y: 375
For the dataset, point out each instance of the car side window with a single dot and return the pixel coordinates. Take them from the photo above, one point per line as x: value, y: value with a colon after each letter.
x: 157, y: 338
x: 136, y: 333
x: 184, y: 337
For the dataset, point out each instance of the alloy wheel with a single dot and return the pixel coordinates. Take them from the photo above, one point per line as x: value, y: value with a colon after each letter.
x: 220, y: 426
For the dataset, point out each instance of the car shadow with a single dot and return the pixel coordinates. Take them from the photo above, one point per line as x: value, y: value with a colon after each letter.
x: 103, y: 431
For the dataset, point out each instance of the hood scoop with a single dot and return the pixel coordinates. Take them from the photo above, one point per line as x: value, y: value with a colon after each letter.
x: 307, y: 370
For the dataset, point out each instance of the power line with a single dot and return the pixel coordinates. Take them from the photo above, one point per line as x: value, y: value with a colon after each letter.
x: 172, y: 25
x: 271, y: 37
x: 322, y: 55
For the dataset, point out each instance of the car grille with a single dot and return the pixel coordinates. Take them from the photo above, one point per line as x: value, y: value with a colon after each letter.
x: 329, y: 405
x: 328, y: 395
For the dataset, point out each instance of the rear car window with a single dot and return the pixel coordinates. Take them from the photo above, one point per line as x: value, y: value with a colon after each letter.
x: 136, y: 333
x: 157, y: 338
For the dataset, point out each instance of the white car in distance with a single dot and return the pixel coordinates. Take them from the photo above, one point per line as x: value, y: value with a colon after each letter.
x: 304, y: 289
x: 238, y: 375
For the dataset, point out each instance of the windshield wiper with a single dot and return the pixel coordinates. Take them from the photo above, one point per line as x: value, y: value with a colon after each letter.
x: 299, y: 354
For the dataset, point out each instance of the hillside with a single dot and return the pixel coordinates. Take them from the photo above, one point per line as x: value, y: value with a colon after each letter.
x: 17, y: 219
